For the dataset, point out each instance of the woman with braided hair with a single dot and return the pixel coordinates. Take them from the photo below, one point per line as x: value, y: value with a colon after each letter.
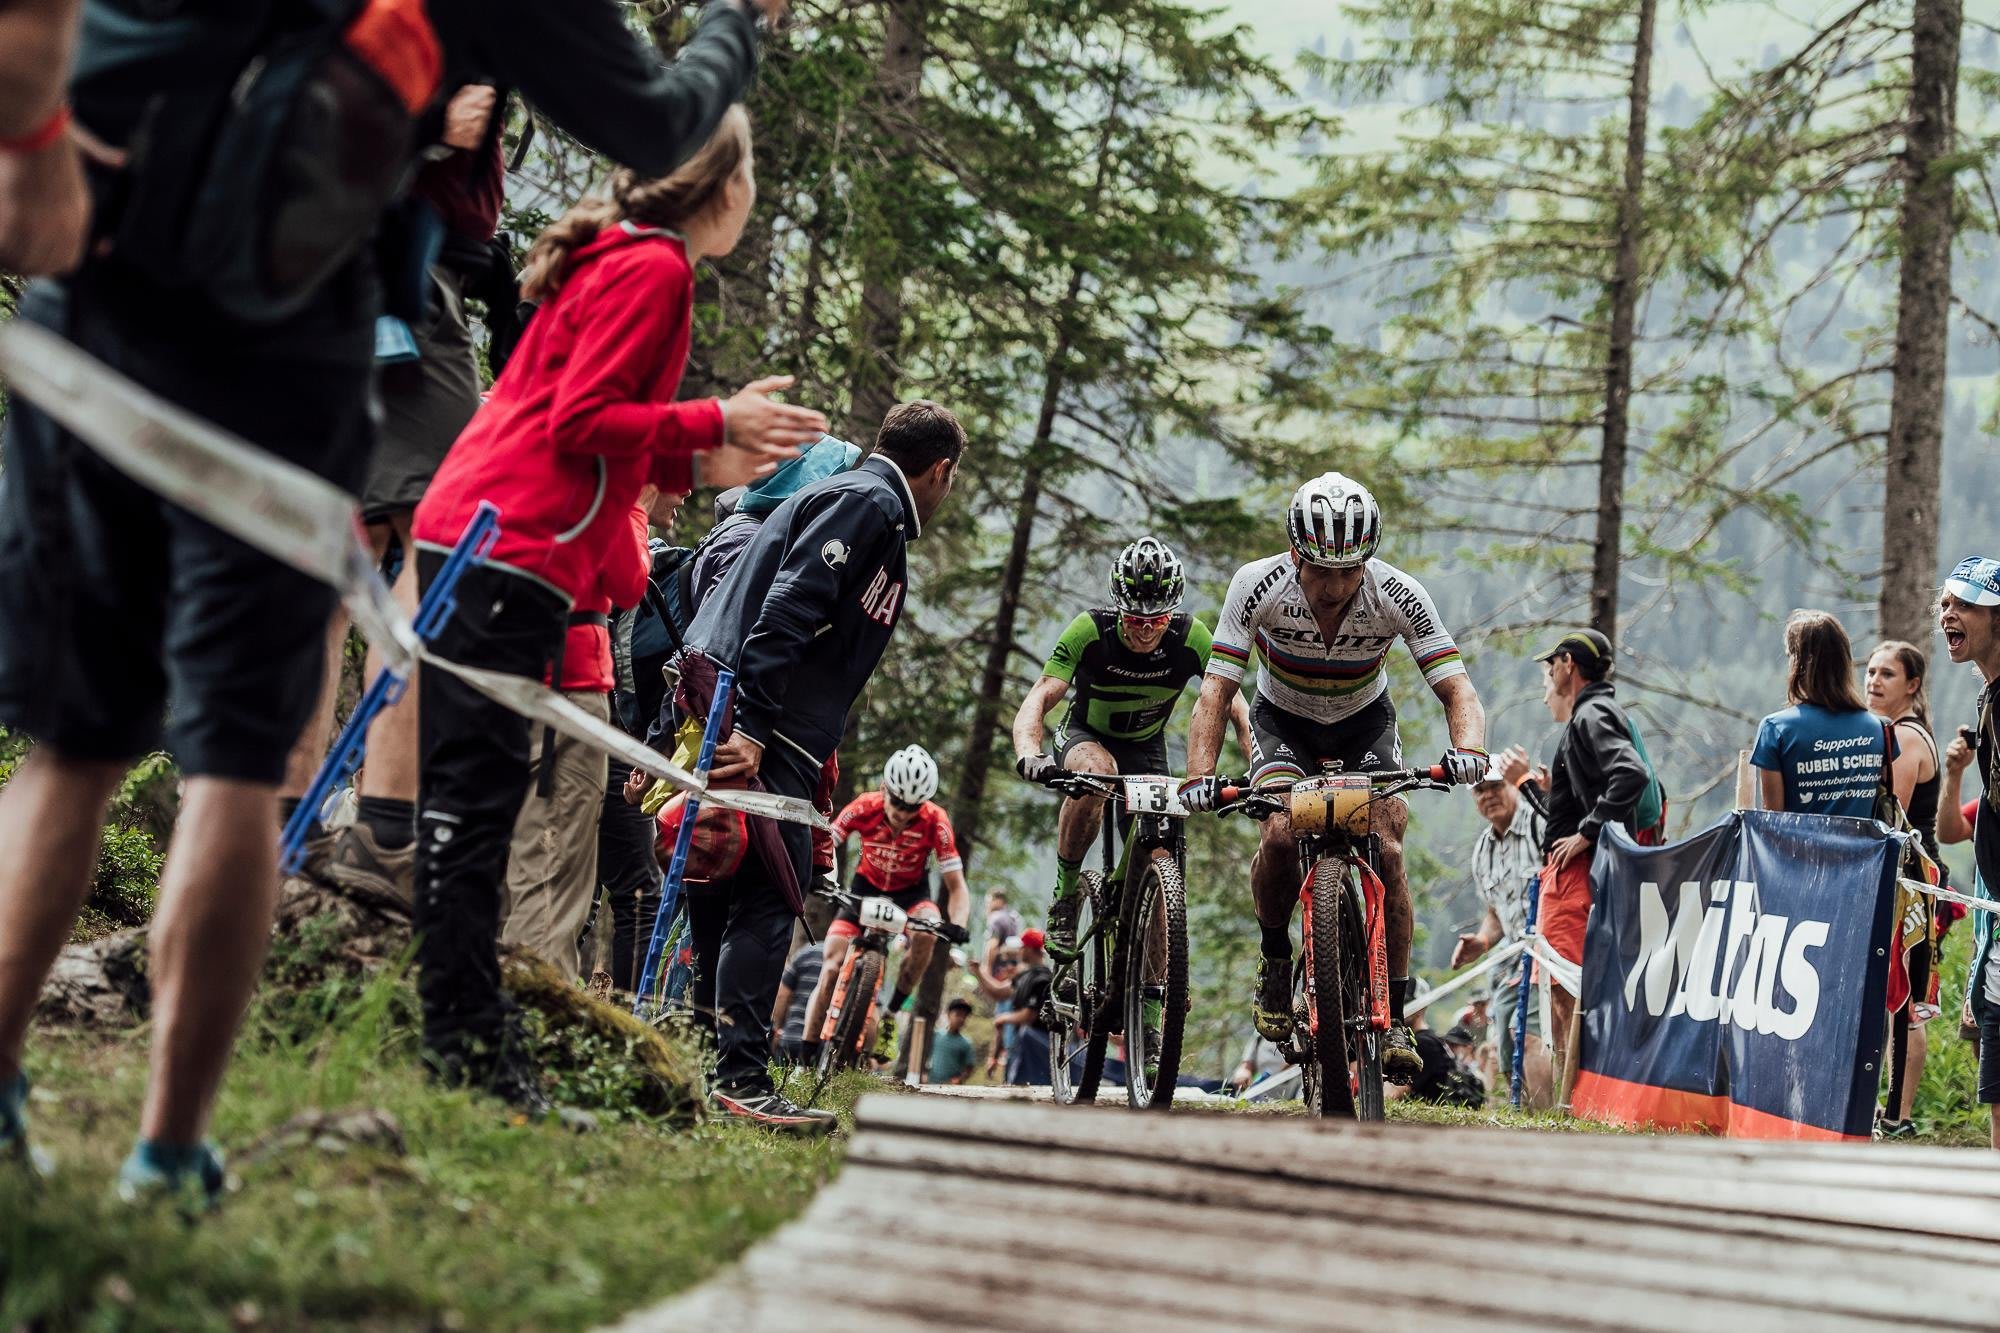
x: 582, y: 419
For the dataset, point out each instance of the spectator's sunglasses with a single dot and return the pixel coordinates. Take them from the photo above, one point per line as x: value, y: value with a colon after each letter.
x: 1131, y: 621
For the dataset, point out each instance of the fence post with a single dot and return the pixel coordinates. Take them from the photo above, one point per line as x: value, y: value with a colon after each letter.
x: 670, y: 889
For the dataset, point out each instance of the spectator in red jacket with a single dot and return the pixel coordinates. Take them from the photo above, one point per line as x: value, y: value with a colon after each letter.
x: 580, y: 421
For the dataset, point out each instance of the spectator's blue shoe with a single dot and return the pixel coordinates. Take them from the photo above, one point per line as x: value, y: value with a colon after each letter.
x: 190, y: 1179
x: 14, y: 1145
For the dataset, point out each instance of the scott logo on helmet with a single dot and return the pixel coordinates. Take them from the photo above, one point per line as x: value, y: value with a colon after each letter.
x: 1676, y: 971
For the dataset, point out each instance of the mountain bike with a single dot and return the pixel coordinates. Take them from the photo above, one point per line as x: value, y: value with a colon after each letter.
x: 842, y: 1036
x: 1340, y: 1001
x: 1130, y: 972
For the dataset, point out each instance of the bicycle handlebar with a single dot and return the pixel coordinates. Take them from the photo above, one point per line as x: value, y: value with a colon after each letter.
x: 852, y: 899
x: 1237, y: 793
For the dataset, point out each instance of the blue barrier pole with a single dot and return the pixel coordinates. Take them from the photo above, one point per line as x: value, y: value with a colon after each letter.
x: 439, y: 602
x: 670, y: 890
x: 1524, y: 994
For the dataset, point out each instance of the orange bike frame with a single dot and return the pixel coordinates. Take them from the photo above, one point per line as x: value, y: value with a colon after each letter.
x: 1373, y: 895
x: 839, y: 997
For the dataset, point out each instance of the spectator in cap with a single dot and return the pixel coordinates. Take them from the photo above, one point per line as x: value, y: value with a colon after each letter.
x: 1448, y: 1078
x: 1971, y: 626
x: 1824, y: 754
x: 1505, y: 860
x: 1597, y: 778
x: 1028, y: 1060
x: 952, y: 1057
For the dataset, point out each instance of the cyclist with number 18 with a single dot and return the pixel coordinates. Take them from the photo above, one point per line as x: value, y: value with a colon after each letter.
x: 1321, y: 618
x: 1127, y: 665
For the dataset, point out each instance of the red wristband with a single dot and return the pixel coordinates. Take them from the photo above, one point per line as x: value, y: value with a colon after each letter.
x: 42, y: 136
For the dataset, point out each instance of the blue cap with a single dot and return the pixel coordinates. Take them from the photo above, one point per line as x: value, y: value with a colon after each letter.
x: 1975, y: 580
x: 823, y: 458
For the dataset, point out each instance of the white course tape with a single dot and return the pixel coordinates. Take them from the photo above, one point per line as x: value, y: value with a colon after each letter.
x: 1569, y: 974
x: 1496, y: 958
x: 297, y: 518
x: 1976, y: 904
x: 544, y: 705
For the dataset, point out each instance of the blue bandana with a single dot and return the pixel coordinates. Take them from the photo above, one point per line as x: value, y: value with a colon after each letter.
x: 823, y: 458
x: 1975, y: 580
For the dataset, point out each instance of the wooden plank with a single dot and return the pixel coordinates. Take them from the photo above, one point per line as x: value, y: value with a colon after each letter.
x: 1117, y: 1220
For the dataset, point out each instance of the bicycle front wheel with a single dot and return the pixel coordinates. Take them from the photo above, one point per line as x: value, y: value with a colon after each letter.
x: 1079, y: 1005
x: 1328, y: 1092
x: 1154, y: 932
x: 843, y: 1049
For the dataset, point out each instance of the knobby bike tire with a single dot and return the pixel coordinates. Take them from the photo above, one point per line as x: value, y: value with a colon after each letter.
x: 1160, y: 889
x: 1328, y: 1092
x: 843, y: 1051
x: 1367, y: 1044
x: 1094, y: 1006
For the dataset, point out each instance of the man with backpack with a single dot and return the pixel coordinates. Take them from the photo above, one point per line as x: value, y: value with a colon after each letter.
x: 1599, y: 777
x: 229, y: 271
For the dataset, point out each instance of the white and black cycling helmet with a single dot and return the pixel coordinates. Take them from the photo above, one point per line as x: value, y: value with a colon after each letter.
x: 911, y: 775
x: 1146, y: 578
x: 1334, y: 522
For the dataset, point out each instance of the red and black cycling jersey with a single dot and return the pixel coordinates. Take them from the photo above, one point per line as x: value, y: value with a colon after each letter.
x: 892, y: 861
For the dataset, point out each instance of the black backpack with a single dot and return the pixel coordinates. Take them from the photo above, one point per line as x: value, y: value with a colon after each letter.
x: 646, y: 637
x: 268, y: 137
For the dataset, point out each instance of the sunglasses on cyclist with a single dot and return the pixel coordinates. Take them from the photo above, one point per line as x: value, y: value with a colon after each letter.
x: 907, y: 807
x: 1146, y: 622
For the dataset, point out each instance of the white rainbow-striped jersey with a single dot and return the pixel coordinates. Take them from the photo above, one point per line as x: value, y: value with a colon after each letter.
x: 1302, y: 673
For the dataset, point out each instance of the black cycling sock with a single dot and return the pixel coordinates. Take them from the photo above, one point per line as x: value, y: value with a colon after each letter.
x: 1399, y: 994
x: 1277, y: 941
x: 899, y: 999
x: 392, y: 822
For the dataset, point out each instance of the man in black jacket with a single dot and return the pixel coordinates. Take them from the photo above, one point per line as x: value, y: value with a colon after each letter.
x: 803, y: 618
x: 125, y: 622
x: 1597, y: 779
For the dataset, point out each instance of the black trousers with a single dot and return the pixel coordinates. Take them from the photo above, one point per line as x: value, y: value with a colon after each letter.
x: 630, y: 878
x: 742, y: 932
x: 475, y: 775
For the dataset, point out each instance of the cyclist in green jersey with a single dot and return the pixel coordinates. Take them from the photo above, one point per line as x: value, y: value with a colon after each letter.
x: 1128, y: 665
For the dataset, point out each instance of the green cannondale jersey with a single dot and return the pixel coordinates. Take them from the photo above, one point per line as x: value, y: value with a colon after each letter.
x: 1116, y: 692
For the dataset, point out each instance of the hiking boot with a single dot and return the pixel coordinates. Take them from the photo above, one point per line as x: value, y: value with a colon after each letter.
x: 14, y: 1144
x: 1060, y: 938
x: 316, y: 853
x: 190, y: 1180
x: 1271, y: 1005
x: 885, y: 1038
x: 359, y: 867
x: 1400, y: 1061
x: 1889, y: 1131
x: 772, y: 1110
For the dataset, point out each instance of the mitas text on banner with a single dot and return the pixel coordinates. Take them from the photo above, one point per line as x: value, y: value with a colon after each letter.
x: 1735, y: 981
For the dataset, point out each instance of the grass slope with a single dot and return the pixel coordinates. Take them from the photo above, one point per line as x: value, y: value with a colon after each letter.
x: 475, y: 1223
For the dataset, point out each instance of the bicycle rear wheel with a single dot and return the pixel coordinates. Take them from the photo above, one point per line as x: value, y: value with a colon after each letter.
x: 1155, y: 973
x: 843, y: 1049
x: 1327, y: 1090
x: 1080, y: 1026
x: 1365, y: 1041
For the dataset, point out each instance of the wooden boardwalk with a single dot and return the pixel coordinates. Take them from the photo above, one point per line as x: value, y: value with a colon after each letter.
x: 961, y: 1212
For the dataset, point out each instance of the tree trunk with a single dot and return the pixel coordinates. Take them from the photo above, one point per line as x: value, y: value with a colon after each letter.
x: 897, y: 79
x: 970, y: 801
x: 1923, y: 316
x: 1609, y: 543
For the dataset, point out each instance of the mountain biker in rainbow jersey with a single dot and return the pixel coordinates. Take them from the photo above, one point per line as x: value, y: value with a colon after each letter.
x: 1321, y: 618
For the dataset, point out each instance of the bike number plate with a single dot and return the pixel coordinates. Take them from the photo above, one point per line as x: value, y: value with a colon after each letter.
x: 1337, y: 802
x: 881, y: 914
x: 1154, y: 796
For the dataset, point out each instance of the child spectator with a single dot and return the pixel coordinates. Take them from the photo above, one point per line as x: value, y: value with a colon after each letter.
x: 1824, y: 754
x: 952, y: 1058
x: 582, y: 418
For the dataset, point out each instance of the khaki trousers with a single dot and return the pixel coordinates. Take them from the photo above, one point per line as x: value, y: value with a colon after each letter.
x: 552, y: 862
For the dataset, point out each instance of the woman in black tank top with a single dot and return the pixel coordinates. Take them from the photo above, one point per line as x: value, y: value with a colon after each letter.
x: 1896, y: 694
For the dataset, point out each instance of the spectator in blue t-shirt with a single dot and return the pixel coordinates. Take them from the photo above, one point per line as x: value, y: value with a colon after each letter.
x: 1824, y: 754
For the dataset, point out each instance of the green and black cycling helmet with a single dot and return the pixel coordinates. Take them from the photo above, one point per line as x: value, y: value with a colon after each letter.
x: 1146, y: 578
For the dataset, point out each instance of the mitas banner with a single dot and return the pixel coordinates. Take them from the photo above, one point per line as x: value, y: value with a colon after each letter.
x: 1735, y: 981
